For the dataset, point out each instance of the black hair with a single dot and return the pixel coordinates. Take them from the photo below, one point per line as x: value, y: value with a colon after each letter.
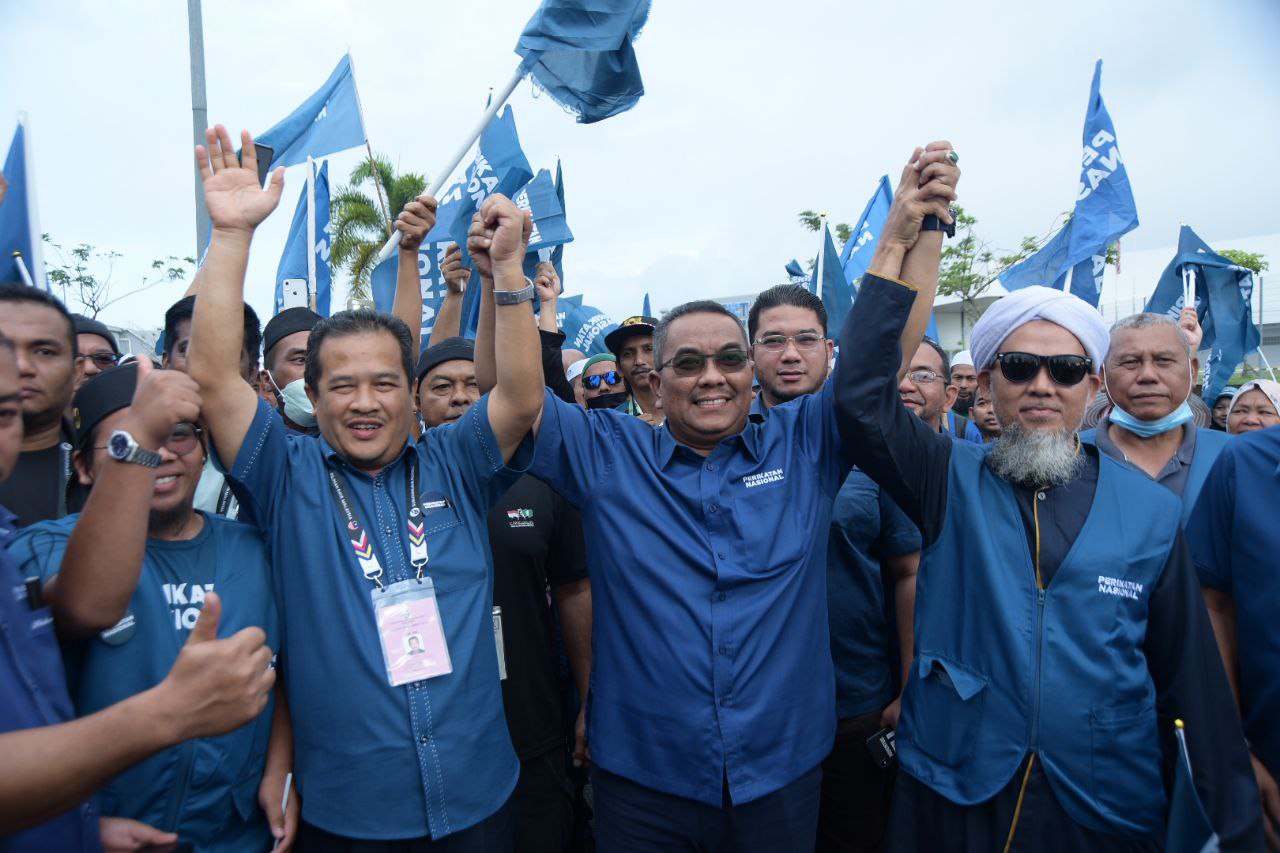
x: 942, y: 354
x: 12, y: 291
x: 796, y: 295
x: 357, y: 322
x: 6, y: 344
x: 698, y: 306
x: 185, y: 309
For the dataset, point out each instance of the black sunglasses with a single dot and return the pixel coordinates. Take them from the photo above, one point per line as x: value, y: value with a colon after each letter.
x: 593, y: 382
x: 103, y: 360
x: 693, y: 363
x: 1063, y: 369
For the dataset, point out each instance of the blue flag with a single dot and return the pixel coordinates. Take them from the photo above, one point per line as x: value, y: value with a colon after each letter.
x: 382, y: 283
x: 293, y: 263
x: 19, y: 224
x: 550, y: 228
x: 1104, y: 212
x: 584, y: 327
x: 579, y: 52
x: 837, y: 296
x: 646, y: 311
x: 328, y: 121
x: 794, y: 270
x: 856, y: 256
x: 1188, y: 829
x: 932, y: 329
x: 556, y: 256
x: 1223, y: 302
x: 432, y: 283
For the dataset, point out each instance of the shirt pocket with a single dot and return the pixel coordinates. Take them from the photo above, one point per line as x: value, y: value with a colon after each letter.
x: 1126, y: 761
x: 454, y: 559
x: 770, y: 529
x: 942, y: 710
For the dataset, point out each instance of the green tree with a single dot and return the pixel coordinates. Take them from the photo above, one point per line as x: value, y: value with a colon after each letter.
x: 1249, y: 260
x: 85, y: 275
x: 812, y: 221
x: 361, y: 224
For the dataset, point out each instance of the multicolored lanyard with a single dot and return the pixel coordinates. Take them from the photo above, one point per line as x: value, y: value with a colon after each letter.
x: 358, y: 536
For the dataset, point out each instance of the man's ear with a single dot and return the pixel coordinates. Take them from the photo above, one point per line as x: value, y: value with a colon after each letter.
x: 984, y: 382
x: 952, y: 393
x: 1195, y: 371
x: 83, y: 473
x: 311, y: 395
x: 655, y: 384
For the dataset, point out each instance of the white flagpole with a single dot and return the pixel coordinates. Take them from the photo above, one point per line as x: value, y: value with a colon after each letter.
x: 311, y: 233
x: 22, y: 270
x: 822, y: 250
x: 36, y: 267
x: 438, y: 184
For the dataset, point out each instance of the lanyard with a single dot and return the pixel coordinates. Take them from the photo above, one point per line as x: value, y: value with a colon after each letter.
x: 224, y: 500
x: 358, y: 536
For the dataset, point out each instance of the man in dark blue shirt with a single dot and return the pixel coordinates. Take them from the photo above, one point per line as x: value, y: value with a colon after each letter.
x: 712, y: 698
x: 376, y: 538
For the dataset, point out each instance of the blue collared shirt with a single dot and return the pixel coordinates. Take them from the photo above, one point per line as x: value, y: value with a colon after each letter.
x: 33, y: 694
x: 712, y: 660
x: 374, y: 761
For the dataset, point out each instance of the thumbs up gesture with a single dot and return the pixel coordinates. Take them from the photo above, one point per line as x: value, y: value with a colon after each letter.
x: 216, y: 685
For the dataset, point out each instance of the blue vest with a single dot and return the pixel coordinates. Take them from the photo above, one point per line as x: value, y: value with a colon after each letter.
x: 1004, y: 668
x: 1209, y: 444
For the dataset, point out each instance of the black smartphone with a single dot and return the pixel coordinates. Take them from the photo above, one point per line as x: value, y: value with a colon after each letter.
x: 265, y: 153
x: 882, y: 748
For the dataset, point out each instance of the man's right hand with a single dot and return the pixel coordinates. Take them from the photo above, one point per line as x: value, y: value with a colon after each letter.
x: 927, y: 185
x: 1270, y: 802
x: 232, y: 193
x: 216, y: 686
x: 455, y: 274
x: 161, y: 400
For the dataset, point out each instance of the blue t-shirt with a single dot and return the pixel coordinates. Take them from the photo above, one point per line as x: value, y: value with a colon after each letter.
x: 866, y: 527
x: 206, y: 789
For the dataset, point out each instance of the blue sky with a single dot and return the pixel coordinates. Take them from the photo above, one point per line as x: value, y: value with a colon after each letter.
x: 754, y: 111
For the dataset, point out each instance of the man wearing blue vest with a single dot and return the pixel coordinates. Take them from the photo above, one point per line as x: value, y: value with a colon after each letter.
x: 1234, y: 539
x: 127, y: 579
x: 1149, y: 376
x: 1059, y: 627
x: 376, y: 538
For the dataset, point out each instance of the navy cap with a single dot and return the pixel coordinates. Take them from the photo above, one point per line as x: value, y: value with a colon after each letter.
x: 89, y: 326
x: 450, y: 349
x: 103, y: 395
x: 288, y: 322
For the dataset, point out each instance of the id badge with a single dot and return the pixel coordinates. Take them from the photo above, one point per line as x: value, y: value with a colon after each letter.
x: 413, y: 644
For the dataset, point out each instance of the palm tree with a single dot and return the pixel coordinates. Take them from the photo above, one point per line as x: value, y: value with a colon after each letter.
x: 360, y: 226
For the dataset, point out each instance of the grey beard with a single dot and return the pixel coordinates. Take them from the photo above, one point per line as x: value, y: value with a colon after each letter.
x: 1034, y: 458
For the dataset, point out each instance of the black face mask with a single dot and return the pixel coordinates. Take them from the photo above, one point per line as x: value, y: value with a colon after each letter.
x: 608, y: 401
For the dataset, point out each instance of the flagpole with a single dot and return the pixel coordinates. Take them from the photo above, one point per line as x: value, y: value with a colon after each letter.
x: 22, y: 270
x: 199, y: 114
x: 822, y: 250
x: 311, y: 233
x: 438, y: 184
x: 33, y: 210
x: 373, y: 164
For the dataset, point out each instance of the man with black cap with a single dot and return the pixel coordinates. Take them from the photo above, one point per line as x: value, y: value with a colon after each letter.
x: 284, y: 354
x: 127, y: 580
x: 97, y: 346
x: 632, y: 344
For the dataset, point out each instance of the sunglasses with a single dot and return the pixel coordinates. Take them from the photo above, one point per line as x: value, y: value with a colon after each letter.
x: 1063, y: 369
x: 594, y: 382
x: 693, y: 363
x: 103, y: 360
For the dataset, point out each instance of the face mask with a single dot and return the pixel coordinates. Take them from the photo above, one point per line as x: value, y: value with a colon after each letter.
x: 297, y: 405
x: 1147, y: 429
x: 607, y: 401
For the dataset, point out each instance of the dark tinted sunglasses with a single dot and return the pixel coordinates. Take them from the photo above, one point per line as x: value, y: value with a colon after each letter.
x: 1063, y: 369
x: 693, y: 363
x: 593, y: 382
x: 103, y: 360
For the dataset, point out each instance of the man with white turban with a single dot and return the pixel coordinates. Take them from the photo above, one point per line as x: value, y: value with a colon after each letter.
x: 1059, y: 627
x: 965, y: 378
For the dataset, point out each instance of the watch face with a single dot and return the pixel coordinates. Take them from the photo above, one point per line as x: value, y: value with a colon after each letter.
x: 118, y: 445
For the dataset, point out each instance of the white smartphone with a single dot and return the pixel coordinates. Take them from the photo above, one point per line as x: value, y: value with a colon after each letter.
x: 294, y: 293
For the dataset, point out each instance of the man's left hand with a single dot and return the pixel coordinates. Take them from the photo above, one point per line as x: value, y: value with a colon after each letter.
x: 417, y: 218
x: 889, y: 716
x: 283, y: 825
x: 119, y: 835
x: 1189, y: 322
x: 581, y: 754
x: 547, y: 282
x: 927, y: 185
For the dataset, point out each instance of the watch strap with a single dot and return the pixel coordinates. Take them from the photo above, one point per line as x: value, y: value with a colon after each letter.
x: 515, y: 297
x: 933, y: 222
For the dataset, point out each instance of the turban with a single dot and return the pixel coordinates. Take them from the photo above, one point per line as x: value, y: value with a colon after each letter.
x: 962, y: 359
x: 1039, y: 303
x: 575, y: 369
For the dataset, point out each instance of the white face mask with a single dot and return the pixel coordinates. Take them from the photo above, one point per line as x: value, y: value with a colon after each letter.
x: 297, y: 405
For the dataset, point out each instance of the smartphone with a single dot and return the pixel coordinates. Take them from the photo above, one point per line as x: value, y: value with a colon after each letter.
x: 294, y: 293
x: 882, y: 748
x: 265, y: 153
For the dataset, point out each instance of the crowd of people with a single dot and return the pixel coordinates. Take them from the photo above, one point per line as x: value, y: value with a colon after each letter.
x: 324, y: 586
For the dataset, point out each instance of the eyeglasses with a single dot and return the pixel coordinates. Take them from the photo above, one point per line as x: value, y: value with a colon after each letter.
x: 102, y: 360
x: 593, y: 382
x: 1065, y: 370
x: 183, y: 439
x: 803, y: 341
x: 924, y: 377
x: 693, y: 363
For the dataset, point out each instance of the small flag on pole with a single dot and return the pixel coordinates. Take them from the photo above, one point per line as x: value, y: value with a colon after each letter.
x: 311, y: 214
x: 856, y: 256
x: 21, y: 255
x: 829, y: 282
x: 326, y: 122
x: 1188, y: 829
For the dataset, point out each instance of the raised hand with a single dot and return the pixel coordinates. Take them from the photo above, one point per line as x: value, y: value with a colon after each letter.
x: 1189, y: 322
x: 161, y: 400
x: 456, y: 275
x: 478, y: 237
x: 547, y: 282
x: 508, y: 229
x: 927, y: 185
x: 235, y: 200
x: 417, y: 218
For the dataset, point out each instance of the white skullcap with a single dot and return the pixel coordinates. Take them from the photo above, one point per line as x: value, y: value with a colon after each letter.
x: 574, y: 370
x: 962, y: 359
x: 1039, y: 303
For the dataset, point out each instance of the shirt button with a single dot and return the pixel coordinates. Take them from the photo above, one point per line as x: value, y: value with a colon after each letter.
x: 722, y: 596
x: 711, y: 466
x: 714, y: 507
x: 724, y: 701
x: 422, y: 739
x: 377, y: 484
x: 724, y: 650
x: 1040, y: 496
x: 720, y: 555
x: 389, y: 531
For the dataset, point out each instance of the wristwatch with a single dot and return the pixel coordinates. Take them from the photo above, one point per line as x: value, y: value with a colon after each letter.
x: 934, y: 223
x: 515, y: 297
x: 123, y: 448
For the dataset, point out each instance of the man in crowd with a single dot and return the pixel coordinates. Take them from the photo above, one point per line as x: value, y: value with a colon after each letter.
x: 787, y: 326
x: 712, y: 699
x: 1149, y: 374
x: 632, y: 344
x: 51, y: 764
x: 1220, y: 407
x: 984, y: 419
x: 573, y: 375
x: 1234, y: 539
x: 926, y: 389
x: 535, y: 539
x: 602, y: 383
x: 398, y: 754
x: 96, y: 345
x: 284, y: 356
x: 1039, y: 726
x: 965, y: 379
x: 127, y: 579
x: 49, y: 368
